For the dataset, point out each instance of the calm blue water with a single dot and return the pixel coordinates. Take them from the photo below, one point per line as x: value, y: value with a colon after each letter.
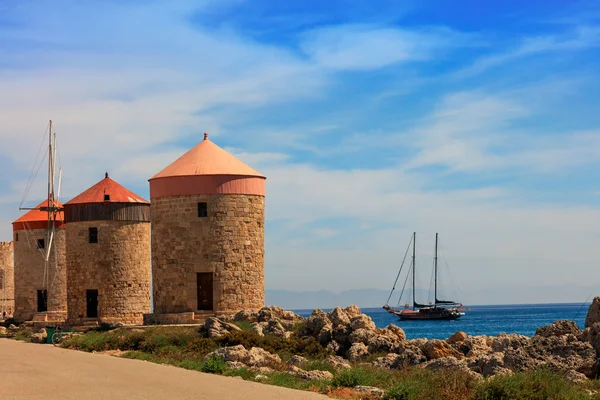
x: 482, y: 320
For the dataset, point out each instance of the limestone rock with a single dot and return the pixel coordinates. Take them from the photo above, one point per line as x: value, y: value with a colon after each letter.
x: 435, y: 349
x: 310, y: 375
x: 246, y: 315
x: 274, y: 328
x: 333, y: 346
x: 457, y: 337
x: 262, y: 370
x: 13, y: 328
x: 592, y: 335
x: 352, y: 311
x: 512, y: 341
x: 408, y: 357
x: 215, y: 327
x: 38, y: 338
x: 362, y: 321
x: 517, y: 360
x: 394, y: 330
x: 575, y: 377
x: 315, y: 323
x: 267, y: 314
x: 361, y: 336
x: 258, y: 329
x: 324, y: 335
x: 297, y: 360
x: 371, y: 391
x: 337, y: 316
x: 488, y: 364
x: 451, y: 363
x: 341, y: 334
x: 338, y: 362
x: 474, y: 346
x: 383, y: 344
x: 235, y: 364
x: 593, y: 314
x: 3, y: 331
x: 558, y: 328
x: 357, y: 351
x: 255, y: 357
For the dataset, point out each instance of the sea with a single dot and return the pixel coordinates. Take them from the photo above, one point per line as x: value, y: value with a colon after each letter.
x: 490, y: 320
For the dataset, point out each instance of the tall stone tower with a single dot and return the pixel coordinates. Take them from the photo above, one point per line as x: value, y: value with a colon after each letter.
x: 108, y: 255
x: 7, y: 278
x: 40, y: 286
x: 207, y: 236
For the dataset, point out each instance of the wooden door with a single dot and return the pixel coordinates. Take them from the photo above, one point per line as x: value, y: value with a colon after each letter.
x: 42, y: 300
x: 204, y: 285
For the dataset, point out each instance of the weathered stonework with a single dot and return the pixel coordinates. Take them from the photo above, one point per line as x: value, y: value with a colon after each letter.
x: 229, y: 243
x: 31, y: 275
x: 7, y: 279
x: 118, y: 266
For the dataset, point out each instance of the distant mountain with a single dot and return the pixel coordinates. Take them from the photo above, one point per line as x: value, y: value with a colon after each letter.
x: 363, y: 298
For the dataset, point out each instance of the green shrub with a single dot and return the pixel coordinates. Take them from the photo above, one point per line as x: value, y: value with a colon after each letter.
x: 244, y: 325
x: 214, y: 365
x: 245, y: 373
x: 356, y: 376
x: 403, y: 391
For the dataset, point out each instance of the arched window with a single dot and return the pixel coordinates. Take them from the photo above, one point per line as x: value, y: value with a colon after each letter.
x: 1, y: 279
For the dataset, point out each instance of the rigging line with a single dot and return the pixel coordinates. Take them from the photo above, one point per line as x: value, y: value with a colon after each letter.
x: 403, y: 287
x: 450, y: 275
x: 586, y: 300
x: 397, y: 276
x: 31, y: 177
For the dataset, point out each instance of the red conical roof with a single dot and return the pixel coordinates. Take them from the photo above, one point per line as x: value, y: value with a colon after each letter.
x: 116, y: 193
x: 37, y: 219
x: 206, y: 158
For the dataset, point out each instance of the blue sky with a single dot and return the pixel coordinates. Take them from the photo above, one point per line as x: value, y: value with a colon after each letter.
x: 371, y: 120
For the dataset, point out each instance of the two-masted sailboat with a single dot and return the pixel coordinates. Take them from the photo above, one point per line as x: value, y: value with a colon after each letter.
x: 439, y: 309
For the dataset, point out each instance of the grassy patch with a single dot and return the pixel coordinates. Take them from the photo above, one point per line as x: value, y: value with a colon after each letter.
x: 243, y: 325
x: 364, y: 376
x: 243, y: 372
x: 286, y: 380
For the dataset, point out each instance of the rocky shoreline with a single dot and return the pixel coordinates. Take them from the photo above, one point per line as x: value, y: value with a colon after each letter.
x: 352, y: 337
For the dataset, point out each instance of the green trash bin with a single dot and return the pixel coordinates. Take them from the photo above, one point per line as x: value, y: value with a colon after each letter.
x: 50, y: 330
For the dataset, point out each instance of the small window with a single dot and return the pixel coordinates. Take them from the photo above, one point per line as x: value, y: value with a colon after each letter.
x: 202, y: 210
x: 107, y: 197
x: 1, y: 279
x: 40, y: 243
x: 16, y: 237
x: 93, y: 235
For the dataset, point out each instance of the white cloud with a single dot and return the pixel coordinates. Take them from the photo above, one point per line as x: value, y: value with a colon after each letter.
x: 359, y: 47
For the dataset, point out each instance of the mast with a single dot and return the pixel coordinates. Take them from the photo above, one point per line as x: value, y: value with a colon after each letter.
x: 435, y: 270
x: 413, y: 271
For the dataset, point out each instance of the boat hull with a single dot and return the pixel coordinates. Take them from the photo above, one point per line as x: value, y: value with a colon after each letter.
x: 448, y: 317
x: 430, y: 314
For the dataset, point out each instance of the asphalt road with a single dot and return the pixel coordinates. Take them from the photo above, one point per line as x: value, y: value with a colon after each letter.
x: 34, y: 371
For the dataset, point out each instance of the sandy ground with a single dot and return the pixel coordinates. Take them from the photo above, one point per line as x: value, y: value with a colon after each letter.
x: 34, y: 371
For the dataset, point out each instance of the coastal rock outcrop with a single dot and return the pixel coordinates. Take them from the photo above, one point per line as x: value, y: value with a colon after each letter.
x: 558, y: 328
x: 214, y: 327
x: 255, y: 357
x: 593, y: 314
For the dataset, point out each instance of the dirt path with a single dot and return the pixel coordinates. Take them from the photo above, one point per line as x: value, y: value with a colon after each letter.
x: 34, y: 371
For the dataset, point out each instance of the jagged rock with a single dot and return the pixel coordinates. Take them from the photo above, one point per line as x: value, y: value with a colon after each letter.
x: 383, y: 344
x: 407, y: 358
x: 297, y: 360
x: 274, y: 328
x: 337, y: 316
x: 562, y: 352
x: 488, y: 364
x: 315, y: 323
x: 341, y: 334
x: 393, y: 330
x: 38, y: 338
x: 457, y: 337
x: 260, y: 377
x: 592, y: 335
x: 575, y: 377
x: 416, y: 343
x: 512, y: 341
x: 258, y: 357
x: 235, y: 364
x: 435, y: 349
x: 258, y: 329
x: 357, y: 351
x: 371, y: 391
x: 262, y: 370
x: 12, y: 328
x: 246, y: 315
x: 362, y: 321
x: 269, y: 313
x: 324, y: 335
x: 558, y: 328
x: 215, y: 327
x: 338, y: 362
x: 352, y: 311
x: 593, y: 314
x: 255, y: 357
x: 3, y: 331
x: 451, y: 363
x: 517, y: 360
x: 361, y: 336
x: 474, y: 346
x: 333, y: 346
x: 310, y: 375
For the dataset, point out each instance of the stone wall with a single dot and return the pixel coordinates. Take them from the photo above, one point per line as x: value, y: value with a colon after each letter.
x: 31, y: 274
x: 7, y: 279
x: 229, y: 243
x: 118, y: 266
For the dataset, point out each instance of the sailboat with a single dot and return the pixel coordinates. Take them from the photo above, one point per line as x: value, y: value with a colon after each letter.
x: 439, y: 310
